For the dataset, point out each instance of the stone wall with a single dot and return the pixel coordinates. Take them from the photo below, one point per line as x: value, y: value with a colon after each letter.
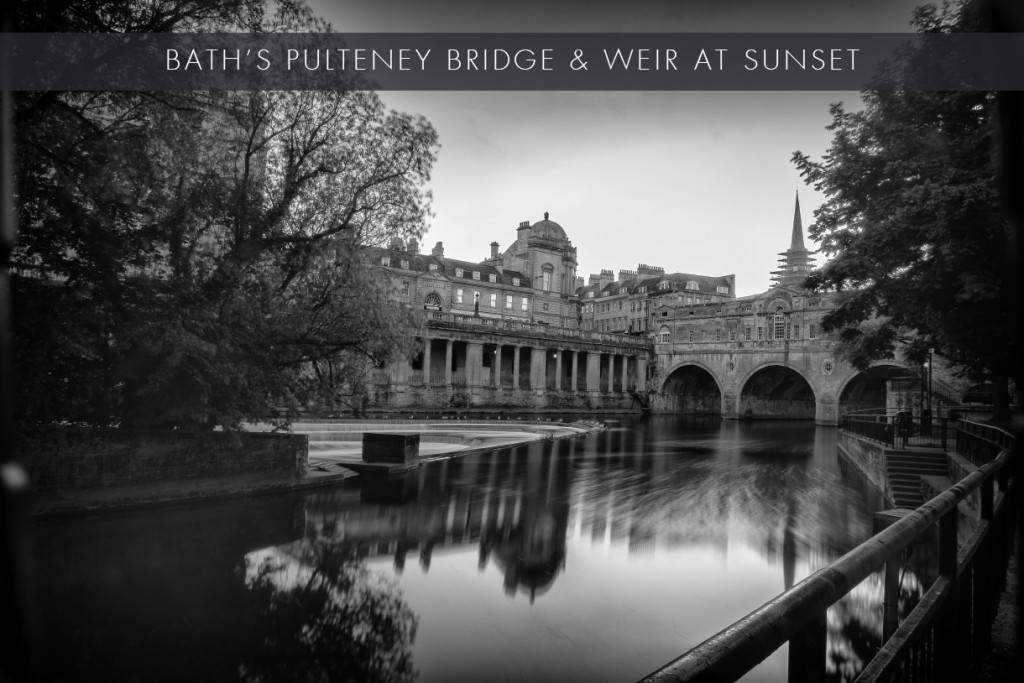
x: 84, y: 458
x: 869, y: 458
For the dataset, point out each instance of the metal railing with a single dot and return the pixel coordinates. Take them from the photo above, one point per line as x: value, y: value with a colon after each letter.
x: 940, y: 638
x: 902, y: 429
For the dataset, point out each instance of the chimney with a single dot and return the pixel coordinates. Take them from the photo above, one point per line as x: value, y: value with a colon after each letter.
x: 438, y: 250
x: 607, y: 277
x: 414, y: 247
x: 494, y: 250
x: 626, y: 275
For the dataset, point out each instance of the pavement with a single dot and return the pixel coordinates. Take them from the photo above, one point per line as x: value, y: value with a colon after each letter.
x: 1000, y: 662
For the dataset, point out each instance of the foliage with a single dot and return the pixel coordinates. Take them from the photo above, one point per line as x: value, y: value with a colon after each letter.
x: 326, y: 618
x: 195, y: 259
x: 913, y: 222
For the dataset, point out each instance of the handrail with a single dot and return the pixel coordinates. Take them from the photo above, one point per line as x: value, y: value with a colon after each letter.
x: 798, y: 615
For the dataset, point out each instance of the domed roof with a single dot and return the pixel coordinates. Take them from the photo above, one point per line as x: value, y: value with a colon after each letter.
x: 548, y: 228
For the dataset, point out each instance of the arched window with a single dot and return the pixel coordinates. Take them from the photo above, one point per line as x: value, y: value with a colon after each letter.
x: 779, y: 323
x: 546, y: 278
x: 664, y: 334
x: 432, y: 301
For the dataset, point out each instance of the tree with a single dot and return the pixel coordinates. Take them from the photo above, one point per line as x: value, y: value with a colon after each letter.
x: 913, y: 223
x: 195, y: 259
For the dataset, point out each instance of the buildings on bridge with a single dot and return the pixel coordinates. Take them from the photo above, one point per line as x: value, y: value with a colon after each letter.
x: 521, y: 330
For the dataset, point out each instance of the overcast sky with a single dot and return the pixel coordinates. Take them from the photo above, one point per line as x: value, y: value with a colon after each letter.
x: 691, y: 181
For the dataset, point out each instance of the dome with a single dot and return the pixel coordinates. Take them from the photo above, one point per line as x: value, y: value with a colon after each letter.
x: 548, y: 228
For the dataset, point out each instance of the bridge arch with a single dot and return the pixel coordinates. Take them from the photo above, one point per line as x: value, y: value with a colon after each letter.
x: 693, y: 388
x: 774, y: 390
x: 869, y: 389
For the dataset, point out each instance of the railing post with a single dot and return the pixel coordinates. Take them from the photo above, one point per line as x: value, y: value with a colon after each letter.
x: 807, y: 652
x: 948, y: 659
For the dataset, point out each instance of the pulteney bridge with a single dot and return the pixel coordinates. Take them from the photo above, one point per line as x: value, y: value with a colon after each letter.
x: 759, y: 357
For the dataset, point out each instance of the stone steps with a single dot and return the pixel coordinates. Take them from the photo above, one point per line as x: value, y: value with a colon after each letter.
x: 905, y: 470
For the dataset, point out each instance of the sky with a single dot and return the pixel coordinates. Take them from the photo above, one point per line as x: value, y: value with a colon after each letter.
x: 698, y: 182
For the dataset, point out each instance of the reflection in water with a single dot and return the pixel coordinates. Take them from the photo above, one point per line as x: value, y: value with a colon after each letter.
x: 599, y: 558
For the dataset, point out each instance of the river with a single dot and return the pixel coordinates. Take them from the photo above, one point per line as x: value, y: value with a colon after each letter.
x: 598, y: 558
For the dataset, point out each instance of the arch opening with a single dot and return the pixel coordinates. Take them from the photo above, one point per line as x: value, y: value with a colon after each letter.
x: 777, y: 392
x: 694, y: 390
x: 872, y: 388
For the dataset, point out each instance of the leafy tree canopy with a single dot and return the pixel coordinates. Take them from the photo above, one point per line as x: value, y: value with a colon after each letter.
x: 913, y: 223
x: 194, y: 259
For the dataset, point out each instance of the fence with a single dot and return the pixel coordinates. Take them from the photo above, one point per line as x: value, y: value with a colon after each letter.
x: 942, y: 636
x: 903, y: 429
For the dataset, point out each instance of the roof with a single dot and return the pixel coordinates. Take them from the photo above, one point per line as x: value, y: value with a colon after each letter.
x: 548, y: 228
x: 448, y: 267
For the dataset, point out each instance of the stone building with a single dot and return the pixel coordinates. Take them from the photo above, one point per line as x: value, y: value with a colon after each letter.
x: 505, y: 332
x: 520, y: 330
x: 624, y: 304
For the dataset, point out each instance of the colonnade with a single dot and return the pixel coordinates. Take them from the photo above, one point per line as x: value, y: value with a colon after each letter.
x: 555, y: 367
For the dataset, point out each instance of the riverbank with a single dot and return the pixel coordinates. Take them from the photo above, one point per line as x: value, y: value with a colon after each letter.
x: 335, y: 449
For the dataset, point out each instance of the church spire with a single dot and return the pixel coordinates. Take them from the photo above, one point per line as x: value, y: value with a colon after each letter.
x: 796, y: 262
x: 797, y: 243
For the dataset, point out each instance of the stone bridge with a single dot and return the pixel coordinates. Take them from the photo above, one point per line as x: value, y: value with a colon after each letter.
x: 783, y: 378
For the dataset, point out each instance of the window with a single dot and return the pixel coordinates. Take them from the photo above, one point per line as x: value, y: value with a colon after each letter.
x: 508, y: 301
x: 476, y: 274
x: 546, y: 279
x: 515, y: 282
x: 664, y: 284
x: 760, y: 333
x: 643, y: 290
x: 722, y: 290
x: 405, y: 265
x: 779, y: 323
x: 746, y: 333
x: 526, y: 306
x: 385, y: 260
x: 432, y: 301
x: 433, y: 266
x: 812, y: 331
x: 590, y: 295
x: 492, y: 277
x: 692, y: 285
x: 796, y: 331
x: 459, y: 272
x: 690, y: 338
x: 494, y: 300
x: 545, y: 306
x: 732, y: 335
x: 458, y: 296
x: 689, y: 300
x: 718, y: 335
x: 405, y: 288
x: 665, y: 334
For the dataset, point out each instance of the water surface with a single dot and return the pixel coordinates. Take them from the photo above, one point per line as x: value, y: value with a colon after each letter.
x: 591, y: 559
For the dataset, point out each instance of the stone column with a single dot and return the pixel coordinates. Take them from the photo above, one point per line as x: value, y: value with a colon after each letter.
x: 558, y: 369
x: 625, y: 372
x: 575, y: 366
x: 593, y: 371
x: 641, y: 374
x: 538, y: 370
x: 515, y: 367
x: 497, y: 365
x: 448, y: 348
x: 426, y: 361
x: 474, y: 361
